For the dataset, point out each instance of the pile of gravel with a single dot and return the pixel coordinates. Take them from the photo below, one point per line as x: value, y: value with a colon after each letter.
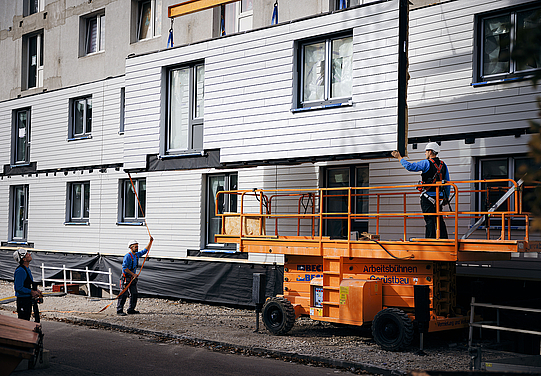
x: 232, y: 329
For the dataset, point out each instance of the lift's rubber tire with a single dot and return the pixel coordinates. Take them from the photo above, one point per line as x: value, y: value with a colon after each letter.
x: 392, y: 329
x: 278, y: 315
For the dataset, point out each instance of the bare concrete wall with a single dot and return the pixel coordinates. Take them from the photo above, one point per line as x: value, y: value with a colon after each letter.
x: 61, y: 21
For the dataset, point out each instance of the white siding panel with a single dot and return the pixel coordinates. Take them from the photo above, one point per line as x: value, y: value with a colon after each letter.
x: 50, y: 123
x: 249, y: 89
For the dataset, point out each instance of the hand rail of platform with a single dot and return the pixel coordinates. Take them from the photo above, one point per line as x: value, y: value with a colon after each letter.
x: 319, y: 197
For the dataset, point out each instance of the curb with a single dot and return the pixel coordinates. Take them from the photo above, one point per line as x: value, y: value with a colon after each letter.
x: 254, y: 351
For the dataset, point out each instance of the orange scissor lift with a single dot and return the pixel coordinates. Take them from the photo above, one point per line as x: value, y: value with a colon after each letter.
x: 364, y: 278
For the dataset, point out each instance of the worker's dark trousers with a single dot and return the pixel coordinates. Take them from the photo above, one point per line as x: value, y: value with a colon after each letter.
x: 430, y: 232
x: 24, y: 308
x: 132, y: 291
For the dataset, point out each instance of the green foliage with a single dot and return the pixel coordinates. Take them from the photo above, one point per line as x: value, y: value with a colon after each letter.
x: 534, y: 173
x: 527, y: 51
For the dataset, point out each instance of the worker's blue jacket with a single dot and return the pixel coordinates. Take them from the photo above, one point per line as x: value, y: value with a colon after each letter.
x: 131, y: 260
x: 23, y: 282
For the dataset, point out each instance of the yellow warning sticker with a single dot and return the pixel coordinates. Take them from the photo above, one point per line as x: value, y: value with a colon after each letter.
x: 344, y: 292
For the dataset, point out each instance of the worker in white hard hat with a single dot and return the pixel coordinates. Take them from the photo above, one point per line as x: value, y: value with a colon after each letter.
x: 22, y: 283
x: 432, y: 170
x: 129, y: 274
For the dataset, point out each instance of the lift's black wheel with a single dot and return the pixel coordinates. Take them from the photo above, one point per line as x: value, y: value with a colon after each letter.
x: 278, y: 315
x: 392, y: 329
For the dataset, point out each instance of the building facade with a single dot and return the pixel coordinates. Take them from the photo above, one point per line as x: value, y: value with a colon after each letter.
x: 92, y: 90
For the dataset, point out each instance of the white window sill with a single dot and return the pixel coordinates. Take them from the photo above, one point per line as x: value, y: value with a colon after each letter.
x: 93, y: 53
x: 183, y: 154
x: 130, y: 223
x: 501, y: 80
x: 77, y: 223
x: 323, y: 106
x: 224, y: 250
x: 79, y: 138
x: 148, y: 39
x: 16, y: 165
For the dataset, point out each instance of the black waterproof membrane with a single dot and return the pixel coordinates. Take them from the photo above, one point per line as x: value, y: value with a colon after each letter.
x: 205, y: 281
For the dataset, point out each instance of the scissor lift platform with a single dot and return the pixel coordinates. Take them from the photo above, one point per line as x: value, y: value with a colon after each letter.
x: 368, y: 280
x: 415, y: 249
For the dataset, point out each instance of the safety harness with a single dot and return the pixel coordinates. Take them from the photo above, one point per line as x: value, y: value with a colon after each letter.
x: 136, y: 260
x: 434, y: 174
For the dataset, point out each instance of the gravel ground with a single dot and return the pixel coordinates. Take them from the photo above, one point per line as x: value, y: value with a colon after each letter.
x: 232, y: 330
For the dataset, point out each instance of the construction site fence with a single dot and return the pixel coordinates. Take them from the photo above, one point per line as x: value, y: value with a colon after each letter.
x: 67, y: 274
x: 476, y: 351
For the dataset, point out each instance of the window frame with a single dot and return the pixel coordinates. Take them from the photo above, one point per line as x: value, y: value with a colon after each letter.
x: 328, y: 99
x: 234, y: 14
x: 99, y: 21
x: 15, y: 220
x: 335, y: 4
x: 511, y: 166
x: 124, y: 187
x: 29, y: 10
x: 354, y: 172
x: 15, y: 137
x: 87, y: 120
x: 152, y: 28
x: 30, y: 79
x: 231, y: 182
x: 122, y: 110
x: 513, y: 71
x: 195, y: 123
x: 84, y: 203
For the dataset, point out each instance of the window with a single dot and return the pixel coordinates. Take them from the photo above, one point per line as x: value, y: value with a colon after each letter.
x: 501, y: 168
x: 94, y: 34
x: 130, y: 210
x: 19, y: 213
x: 147, y: 19
x: 236, y: 17
x: 78, y: 202
x: 336, y: 201
x: 32, y: 6
x: 501, y: 34
x: 122, y: 109
x: 81, y: 118
x: 186, y: 109
x: 20, y: 146
x: 325, y: 71
x: 343, y: 4
x: 32, y: 60
x: 228, y: 203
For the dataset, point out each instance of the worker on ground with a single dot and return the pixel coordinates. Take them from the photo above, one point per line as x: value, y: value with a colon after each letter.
x: 432, y: 170
x: 129, y: 269
x: 22, y: 281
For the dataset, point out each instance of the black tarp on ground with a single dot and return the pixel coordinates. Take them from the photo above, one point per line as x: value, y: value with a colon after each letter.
x: 205, y: 281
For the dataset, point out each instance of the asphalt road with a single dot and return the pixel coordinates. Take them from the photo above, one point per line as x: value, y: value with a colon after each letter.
x: 79, y: 350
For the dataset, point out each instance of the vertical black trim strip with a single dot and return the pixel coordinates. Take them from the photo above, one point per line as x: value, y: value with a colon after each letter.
x: 402, y: 76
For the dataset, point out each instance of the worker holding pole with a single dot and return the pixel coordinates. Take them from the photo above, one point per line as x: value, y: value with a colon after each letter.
x: 129, y: 277
x: 432, y: 170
